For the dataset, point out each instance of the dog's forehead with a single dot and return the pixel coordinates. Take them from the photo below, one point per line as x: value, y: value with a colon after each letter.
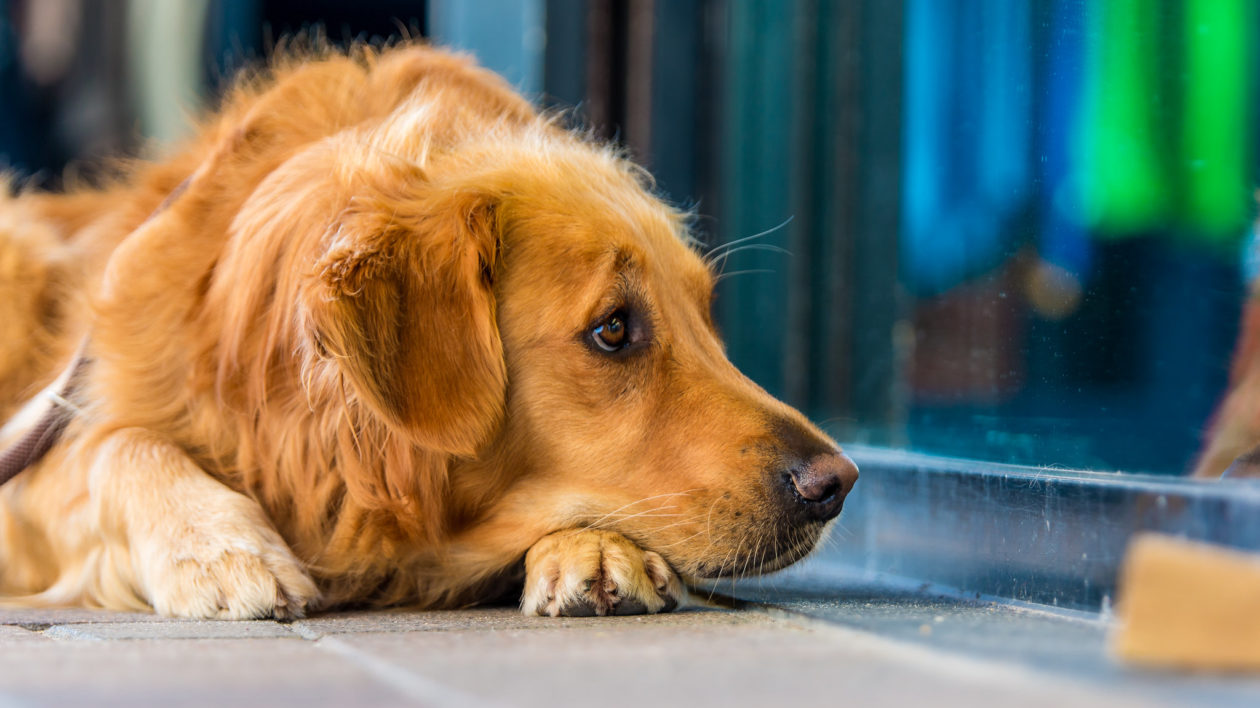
x: 570, y: 264
x: 646, y: 241
x: 671, y: 258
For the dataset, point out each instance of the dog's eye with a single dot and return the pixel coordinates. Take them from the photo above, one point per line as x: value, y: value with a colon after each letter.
x: 612, y: 334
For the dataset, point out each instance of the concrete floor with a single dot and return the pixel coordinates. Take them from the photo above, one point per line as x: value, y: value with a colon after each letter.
x: 858, y: 645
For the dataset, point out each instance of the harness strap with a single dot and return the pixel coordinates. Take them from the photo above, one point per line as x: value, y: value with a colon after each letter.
x: 36, y: 442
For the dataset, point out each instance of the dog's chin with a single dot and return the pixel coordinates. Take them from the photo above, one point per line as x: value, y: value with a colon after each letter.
x: 760, y: 557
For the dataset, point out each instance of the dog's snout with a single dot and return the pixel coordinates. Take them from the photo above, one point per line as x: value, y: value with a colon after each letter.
x: 818, y: 486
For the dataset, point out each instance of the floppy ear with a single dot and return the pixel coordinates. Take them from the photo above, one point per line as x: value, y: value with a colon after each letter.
x: 404, y: 305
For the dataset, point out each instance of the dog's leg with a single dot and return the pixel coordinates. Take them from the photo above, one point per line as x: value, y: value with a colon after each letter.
x: 582, y: 572
x: 196, y: 548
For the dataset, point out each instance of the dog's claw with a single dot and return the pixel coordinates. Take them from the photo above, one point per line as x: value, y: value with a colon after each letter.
x: 584, y: 572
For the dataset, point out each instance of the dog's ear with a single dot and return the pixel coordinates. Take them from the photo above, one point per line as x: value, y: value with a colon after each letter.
x: 404, y: 305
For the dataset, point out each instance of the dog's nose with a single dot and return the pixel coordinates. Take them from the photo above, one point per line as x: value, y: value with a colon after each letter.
x: 819, y: 485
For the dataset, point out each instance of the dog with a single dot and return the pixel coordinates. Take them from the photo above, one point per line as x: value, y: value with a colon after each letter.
x: 382, y: 333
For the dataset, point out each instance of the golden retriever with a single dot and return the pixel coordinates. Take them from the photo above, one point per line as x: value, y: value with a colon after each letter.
x: 382, y: 334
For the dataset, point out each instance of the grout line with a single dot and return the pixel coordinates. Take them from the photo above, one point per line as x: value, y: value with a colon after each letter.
x: 300, y: 629
x: 68, y: 631
x: 409, y: 683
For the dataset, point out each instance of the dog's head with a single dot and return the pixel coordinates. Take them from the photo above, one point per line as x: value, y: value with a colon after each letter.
x: 636, y: 420
x: 525, y: 304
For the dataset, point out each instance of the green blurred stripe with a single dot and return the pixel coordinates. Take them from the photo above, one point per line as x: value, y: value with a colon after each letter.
x: 1126, y: 182
x: 1215, y: 132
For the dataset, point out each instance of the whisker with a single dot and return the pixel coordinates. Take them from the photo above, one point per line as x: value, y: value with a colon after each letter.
x: 650, y: 514
x: 756, y: 247
x: 734, y: 273
x: 738, y: 569
x: 837, y: 419
x: 734, y: 558
x: 765, y: 548
x: 670, y: 526
x: 839, y: 529
x: 675, y: 543
x: 720, y: 260
x: 718, y: 250
x: 640, y: 501
x: 754, y: 559
x: 708, y: 523
x: 708, y: 527
x: 750, y: 563
x: 718, y: 581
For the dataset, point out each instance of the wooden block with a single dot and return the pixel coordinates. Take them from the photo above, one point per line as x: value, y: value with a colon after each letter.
x: 1188, y: 605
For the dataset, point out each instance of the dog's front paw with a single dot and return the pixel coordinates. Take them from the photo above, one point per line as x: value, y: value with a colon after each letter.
x: 584, y: 572
x: 232, y: 566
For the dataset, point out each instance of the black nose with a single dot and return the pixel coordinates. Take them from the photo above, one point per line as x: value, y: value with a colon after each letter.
x: 816, y: 488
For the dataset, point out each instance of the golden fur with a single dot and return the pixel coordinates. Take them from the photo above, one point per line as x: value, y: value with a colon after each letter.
x: 349, y: 362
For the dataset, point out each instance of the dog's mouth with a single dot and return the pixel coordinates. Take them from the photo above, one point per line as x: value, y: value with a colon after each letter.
x: 759, y: 556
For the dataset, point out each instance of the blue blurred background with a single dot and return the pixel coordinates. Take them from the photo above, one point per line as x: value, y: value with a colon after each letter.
x: 1015, y: 230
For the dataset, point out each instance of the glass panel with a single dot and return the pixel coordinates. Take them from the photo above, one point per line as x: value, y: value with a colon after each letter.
x: 1043, y: 264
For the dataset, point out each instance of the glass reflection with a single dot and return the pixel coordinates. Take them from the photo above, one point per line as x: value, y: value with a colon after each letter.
x: 1075, y: 201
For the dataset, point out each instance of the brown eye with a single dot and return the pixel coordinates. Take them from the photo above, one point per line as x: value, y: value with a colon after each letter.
x: 611, y: 335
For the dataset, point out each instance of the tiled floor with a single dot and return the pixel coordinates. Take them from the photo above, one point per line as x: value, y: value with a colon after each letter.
x: 892, y: 650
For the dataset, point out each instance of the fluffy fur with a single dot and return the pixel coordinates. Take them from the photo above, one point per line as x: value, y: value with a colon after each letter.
x: 350, y: 361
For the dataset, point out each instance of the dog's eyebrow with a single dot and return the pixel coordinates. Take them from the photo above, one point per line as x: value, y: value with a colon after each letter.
x: 624, y: 260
